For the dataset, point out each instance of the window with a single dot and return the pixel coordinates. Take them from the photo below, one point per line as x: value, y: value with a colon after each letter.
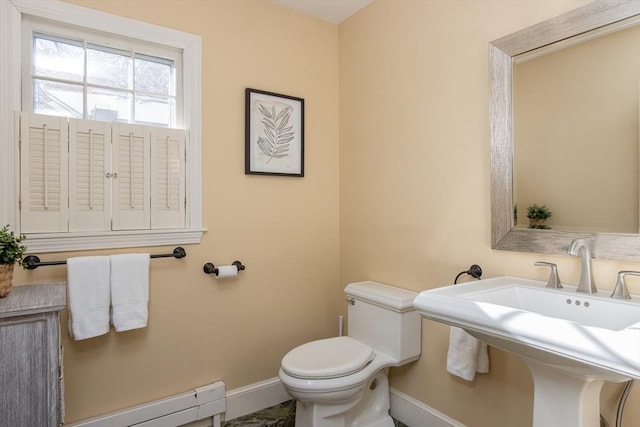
x: 80, y: 78
x: 119, y: 74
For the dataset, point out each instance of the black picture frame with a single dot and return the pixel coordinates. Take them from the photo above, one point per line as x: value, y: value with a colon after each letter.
x: 274, y: 134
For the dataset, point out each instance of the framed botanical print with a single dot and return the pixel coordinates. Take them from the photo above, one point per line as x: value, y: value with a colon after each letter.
x: 274, y: 134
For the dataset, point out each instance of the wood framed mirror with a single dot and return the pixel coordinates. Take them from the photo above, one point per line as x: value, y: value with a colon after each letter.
x: 598, y: 17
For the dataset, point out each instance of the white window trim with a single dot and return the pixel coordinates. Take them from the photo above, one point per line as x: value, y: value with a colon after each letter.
x: 11, y: 12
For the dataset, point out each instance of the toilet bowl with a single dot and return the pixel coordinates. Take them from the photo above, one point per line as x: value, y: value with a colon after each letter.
x: 343, y: 381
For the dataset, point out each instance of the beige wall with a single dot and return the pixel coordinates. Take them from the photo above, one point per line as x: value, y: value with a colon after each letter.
x: 285, y: 230
x: 576, y: 127
x: 411, y: 173
x: 414, y: 181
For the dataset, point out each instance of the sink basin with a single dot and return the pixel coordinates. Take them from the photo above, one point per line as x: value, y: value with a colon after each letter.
x: 571, y: 341
x: 594, y: 312
x: 524, y: 317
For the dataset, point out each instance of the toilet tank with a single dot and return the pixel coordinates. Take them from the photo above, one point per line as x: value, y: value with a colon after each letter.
x: 383, y: 317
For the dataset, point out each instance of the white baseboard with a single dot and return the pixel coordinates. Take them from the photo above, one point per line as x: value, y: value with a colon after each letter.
x: 255, y: 397
x: 414, y: 413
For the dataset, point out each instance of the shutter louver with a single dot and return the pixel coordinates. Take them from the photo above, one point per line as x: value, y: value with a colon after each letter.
x: 131, y: 186
x: 167, y: 178
x: 43, y: 173
x: 89, y: 163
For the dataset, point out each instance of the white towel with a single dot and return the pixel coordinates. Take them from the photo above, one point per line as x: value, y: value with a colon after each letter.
x: 88, y: 281
x: 129, y: 291
x: 466, y: 355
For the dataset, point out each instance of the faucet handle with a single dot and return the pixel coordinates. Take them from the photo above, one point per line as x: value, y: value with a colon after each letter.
x: 621, y: 291
x: 554, y: 279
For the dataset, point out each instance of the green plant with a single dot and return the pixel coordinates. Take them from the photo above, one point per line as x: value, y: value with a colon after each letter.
x: 538, y: 212
x: 11, y: 248
x: 537, y: 216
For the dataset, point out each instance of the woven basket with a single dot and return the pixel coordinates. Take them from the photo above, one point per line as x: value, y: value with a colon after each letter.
x: 6, y: 279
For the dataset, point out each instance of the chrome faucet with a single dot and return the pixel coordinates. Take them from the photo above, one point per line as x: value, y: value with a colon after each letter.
x: 586, y: 284
x: 554, y: 280
x: 621, y: 291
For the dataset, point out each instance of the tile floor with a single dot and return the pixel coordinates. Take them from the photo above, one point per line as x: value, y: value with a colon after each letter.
x: 282, y: 415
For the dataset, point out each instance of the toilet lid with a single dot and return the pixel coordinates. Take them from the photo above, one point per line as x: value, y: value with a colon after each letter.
x: 328, y: 358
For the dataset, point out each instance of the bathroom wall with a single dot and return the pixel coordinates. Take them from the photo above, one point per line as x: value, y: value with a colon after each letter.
x: 398, y: 193
x: 414, y: 182
x: 285, y: 230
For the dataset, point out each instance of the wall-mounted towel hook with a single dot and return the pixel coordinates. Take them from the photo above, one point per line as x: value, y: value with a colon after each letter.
x: 209, y: 268
x: 474, y: 271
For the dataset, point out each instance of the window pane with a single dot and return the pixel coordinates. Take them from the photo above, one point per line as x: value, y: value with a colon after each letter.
x: 113, y: 79
x: 58, y: 59
x: 109, y: 105
x: 109, y: 68
x: 57, y: 99
x: 153, y: 110
x: 154, y: 76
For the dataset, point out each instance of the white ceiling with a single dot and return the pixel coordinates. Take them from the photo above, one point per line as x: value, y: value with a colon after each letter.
x: 334, y: 11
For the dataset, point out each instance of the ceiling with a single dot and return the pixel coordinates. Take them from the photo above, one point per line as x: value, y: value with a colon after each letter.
x: 334, y: 11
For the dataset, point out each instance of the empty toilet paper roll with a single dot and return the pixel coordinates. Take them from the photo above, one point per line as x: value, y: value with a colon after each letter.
x: 227, y: 271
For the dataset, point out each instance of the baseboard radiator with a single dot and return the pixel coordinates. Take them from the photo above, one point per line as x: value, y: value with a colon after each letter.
x: 198, y: 404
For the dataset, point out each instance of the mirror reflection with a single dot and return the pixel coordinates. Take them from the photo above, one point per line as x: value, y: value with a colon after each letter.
x: 576, y: 135
x: 601, y: 186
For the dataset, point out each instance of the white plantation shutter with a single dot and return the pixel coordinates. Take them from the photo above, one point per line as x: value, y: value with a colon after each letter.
x: 89, y: 185
x: 89, y: 176
x: 131, y: 182
x: 167, y: 178
x: 43, y: 173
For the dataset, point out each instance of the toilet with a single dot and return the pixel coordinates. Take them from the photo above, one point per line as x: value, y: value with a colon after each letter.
x: 342, y: 381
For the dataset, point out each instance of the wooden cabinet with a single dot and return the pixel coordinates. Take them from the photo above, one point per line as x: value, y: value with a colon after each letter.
x: 30, y: 362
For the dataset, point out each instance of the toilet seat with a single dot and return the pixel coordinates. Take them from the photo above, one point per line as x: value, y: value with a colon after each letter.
x: 328, y: 358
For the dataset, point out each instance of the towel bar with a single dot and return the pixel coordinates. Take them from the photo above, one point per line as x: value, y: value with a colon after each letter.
x: 31, y: 262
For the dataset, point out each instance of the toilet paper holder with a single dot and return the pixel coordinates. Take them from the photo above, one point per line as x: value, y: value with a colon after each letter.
x: 209, y: 268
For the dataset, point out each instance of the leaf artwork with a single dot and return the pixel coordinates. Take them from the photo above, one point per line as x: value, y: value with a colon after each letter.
x: 277, y: 134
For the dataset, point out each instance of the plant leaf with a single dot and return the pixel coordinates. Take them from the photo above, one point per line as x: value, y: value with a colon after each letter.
x: 264, y: 111
x: 277, y: 134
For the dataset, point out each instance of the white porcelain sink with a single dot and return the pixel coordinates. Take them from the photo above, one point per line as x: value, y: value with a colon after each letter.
x: 571, y: 341
x: 594, y: 312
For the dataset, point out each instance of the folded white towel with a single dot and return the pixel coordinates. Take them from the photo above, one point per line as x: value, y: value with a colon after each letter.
x: 129, y: 291
x: 466, y: 355
x: 88, y: 281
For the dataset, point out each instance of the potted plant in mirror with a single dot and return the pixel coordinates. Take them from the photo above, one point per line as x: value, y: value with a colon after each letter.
x: 538, y: 216
x: 11, y: 253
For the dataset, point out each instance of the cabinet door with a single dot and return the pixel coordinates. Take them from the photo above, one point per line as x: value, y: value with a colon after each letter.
x: 29, y: 371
